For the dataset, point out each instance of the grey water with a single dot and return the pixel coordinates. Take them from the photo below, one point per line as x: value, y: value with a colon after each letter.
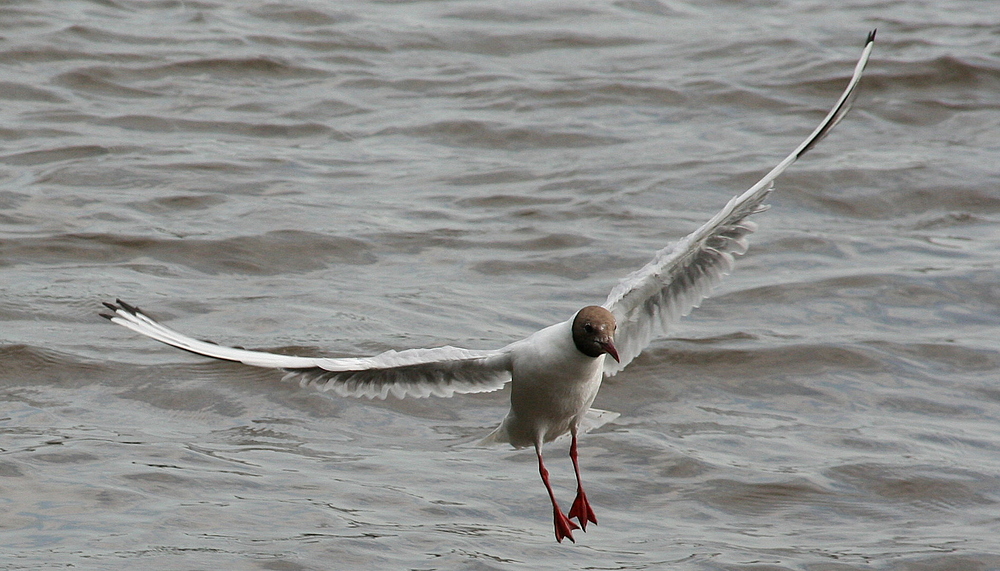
x: 343, y: 178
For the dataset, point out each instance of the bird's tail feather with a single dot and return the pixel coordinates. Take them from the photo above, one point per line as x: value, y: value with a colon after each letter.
x: 594, y: 418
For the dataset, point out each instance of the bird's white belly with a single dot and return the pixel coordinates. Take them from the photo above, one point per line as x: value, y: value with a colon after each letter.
x: 551, y: 391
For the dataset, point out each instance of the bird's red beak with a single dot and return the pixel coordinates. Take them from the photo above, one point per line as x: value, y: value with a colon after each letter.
x: 609, y: 348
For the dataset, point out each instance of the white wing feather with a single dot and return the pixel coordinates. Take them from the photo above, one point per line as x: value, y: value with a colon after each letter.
x: 648, y: 301
x: 645, y: 303
x: 442, y: 371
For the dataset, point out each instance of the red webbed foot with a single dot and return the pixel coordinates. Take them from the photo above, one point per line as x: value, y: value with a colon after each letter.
x: 581, y: 510
x: 564, y: 526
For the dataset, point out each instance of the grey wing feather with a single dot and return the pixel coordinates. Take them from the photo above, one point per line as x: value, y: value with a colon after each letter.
x: 442, y: 371
x: 648, y: 301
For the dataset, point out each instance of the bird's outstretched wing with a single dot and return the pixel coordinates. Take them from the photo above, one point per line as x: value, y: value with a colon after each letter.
x: 442, y: 371
x: 646, y: 302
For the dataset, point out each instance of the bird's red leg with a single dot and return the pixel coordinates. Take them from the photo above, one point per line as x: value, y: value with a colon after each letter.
x: 581, y: 509
x: 564, y: 527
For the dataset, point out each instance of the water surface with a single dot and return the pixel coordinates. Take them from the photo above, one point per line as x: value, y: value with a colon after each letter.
x: 346, y: 178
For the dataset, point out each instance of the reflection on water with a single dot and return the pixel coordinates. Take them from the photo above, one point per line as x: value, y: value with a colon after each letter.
x: 348, y: 179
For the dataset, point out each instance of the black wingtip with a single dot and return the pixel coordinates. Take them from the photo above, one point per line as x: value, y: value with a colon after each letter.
x: 107, y: 316
x: 871, y: 36
x: 129, y: 308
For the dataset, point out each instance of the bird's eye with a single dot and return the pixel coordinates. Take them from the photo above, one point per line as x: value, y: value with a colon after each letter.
x: 588, y: 328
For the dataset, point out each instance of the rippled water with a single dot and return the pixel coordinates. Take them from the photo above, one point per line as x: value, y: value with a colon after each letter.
x: 345, y: 178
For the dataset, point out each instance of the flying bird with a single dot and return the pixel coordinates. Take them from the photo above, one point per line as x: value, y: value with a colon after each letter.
x: 554, y: 373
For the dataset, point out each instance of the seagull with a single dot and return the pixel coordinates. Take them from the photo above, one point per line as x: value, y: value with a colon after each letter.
x: 556, y: 372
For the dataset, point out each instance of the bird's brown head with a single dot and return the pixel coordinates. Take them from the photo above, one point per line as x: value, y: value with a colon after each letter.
x: 594, y: 332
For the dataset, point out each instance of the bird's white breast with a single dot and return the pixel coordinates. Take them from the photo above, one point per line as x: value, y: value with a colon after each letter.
x: 553, y: 385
